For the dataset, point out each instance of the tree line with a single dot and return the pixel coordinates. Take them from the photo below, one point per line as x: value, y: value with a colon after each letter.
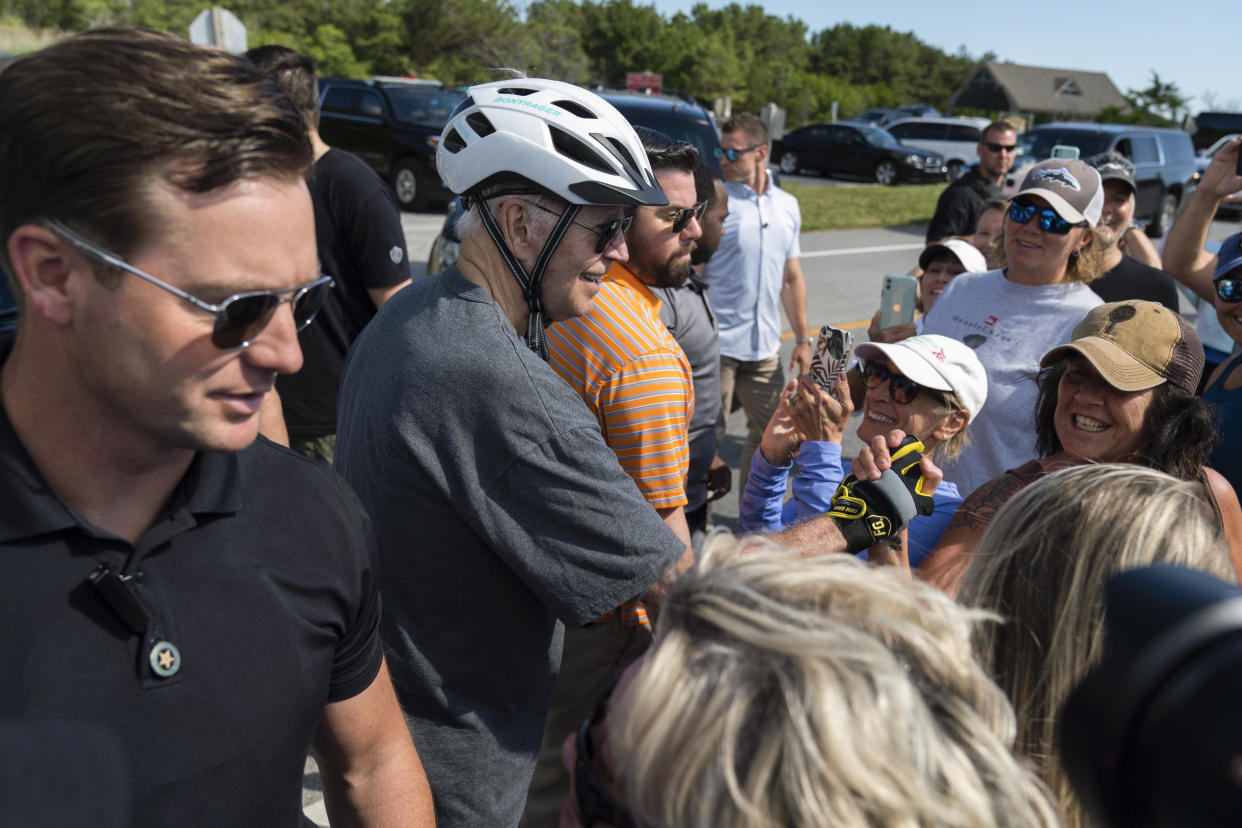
x: 740, y: 52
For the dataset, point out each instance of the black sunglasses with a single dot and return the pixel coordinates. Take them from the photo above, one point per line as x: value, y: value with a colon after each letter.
x: 734, y: 154
x: 1229, y: 290
x: 587, y: 797
x: 900, y: 387
x: 608, y: 233
x: 682, y: 217
x: 1023, y: 211
x: 241, y: 317
x: 995, y: 147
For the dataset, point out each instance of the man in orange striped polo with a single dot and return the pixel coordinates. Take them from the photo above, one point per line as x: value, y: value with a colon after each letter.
x: 635, y: 378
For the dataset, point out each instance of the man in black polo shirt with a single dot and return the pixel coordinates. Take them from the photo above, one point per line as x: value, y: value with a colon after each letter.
x: 207, y: 600
x: 960, y: 203
x: 361, y: 246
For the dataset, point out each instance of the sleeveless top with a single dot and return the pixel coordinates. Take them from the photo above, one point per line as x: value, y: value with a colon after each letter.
x: 1227, y: 456
x: 1031, y: 471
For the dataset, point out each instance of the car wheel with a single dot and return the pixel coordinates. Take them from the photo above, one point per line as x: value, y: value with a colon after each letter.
x: 409, y: 182
x: 1163, y: 220
x: 886, y: 172
x: 789, y: 163
x: 956, y: 168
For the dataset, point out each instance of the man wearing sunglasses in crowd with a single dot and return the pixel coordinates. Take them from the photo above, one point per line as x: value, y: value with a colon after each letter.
x: 207, y: 601
x: 756, y: 270
x: 1014, y: 315
x: 635, y: 378
x: 960, y: 204
x: 503, y: 515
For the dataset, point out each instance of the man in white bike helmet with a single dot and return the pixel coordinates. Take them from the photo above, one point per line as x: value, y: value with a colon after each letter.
x: 501, y: 513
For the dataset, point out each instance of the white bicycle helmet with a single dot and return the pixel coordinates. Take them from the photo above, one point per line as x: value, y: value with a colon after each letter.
x: 559, y: 136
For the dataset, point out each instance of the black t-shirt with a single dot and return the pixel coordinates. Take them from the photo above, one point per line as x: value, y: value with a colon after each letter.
x: 361, y: 245
x: 959, y: 206
x: 1131, y: 279
x: 260, y: 570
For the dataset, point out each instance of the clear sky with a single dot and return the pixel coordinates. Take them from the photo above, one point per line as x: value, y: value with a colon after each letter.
x: 1196, y: 45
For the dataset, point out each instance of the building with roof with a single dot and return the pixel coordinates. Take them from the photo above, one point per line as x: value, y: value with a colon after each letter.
x: 1039, y: 93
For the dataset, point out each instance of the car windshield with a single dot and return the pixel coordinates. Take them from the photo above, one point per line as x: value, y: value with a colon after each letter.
x: 427, y: 105
x: 1037, y: 144
x: 877, y: 137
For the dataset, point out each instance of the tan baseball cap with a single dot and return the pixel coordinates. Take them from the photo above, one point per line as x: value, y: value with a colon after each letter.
x: 1136, y: 345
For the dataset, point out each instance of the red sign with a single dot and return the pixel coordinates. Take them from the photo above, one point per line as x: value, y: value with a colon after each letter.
x: 638, y: 81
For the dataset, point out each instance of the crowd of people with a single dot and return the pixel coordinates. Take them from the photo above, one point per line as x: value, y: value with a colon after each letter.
x: 451, y: 537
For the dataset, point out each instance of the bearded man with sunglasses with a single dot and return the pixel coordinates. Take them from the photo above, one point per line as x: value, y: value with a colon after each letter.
x: 206, y: 601
x: 960, y: 204
x: 503, y: 516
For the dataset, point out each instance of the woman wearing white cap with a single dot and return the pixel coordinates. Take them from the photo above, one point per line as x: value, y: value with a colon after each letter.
x: 941, y: 263
x: 930, y: 387
x: 1013, y: 315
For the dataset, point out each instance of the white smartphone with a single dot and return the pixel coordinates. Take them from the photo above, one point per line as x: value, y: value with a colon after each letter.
x: 1064, y: 151
x: 897, y: 300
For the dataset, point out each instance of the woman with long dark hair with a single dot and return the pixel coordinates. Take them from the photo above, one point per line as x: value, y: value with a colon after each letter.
x: 1121, y: 391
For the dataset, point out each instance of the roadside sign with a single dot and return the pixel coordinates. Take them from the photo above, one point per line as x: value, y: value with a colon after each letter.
x: 638, y: 81
x: 219, y: 27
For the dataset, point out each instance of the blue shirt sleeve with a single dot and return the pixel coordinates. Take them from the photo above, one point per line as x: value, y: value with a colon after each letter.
x: 925, y: 532
x: 820, y: 472
x: 759, y: 507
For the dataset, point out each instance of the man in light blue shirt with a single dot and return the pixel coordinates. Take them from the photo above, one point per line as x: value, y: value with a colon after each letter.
x: 754, y: 273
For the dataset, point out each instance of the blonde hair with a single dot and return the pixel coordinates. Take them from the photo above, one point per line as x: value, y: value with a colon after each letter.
x: 785, y: 691
x: 952, y: 447
x: 1042, y: 565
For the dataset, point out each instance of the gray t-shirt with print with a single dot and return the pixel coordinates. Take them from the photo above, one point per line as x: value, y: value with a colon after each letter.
x: 501, y: 514
x: 1010, y: 327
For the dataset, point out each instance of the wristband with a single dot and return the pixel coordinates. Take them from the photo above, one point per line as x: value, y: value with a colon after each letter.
x: 867, y: 512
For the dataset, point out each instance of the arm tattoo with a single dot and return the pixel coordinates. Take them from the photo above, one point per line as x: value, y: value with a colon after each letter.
x: 978, y: 510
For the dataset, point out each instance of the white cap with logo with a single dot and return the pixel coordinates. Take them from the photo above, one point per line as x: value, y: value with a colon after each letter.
x: 938, y: 362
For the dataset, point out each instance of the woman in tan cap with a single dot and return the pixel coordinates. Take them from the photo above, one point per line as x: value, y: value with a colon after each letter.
x: 1121, y: 391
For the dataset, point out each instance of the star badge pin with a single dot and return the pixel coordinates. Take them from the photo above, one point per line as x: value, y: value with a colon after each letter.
x: 165, y: 659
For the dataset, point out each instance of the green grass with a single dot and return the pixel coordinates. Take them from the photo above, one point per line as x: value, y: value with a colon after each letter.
x: 871, y: 205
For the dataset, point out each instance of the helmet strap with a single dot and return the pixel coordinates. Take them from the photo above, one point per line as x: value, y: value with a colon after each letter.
x: 531, y: 283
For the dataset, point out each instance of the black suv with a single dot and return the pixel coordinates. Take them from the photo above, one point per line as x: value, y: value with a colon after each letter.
x: 394, y: 126
x: 1164, y: 162
x: 678, y: 116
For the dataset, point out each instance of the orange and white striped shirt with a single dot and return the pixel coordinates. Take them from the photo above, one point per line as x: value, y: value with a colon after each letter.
x: 630, y: 371
x: 634, y: 376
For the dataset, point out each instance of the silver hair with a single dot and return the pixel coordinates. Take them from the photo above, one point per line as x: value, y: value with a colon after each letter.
x: 469, y: 223
x: 785, y: 691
